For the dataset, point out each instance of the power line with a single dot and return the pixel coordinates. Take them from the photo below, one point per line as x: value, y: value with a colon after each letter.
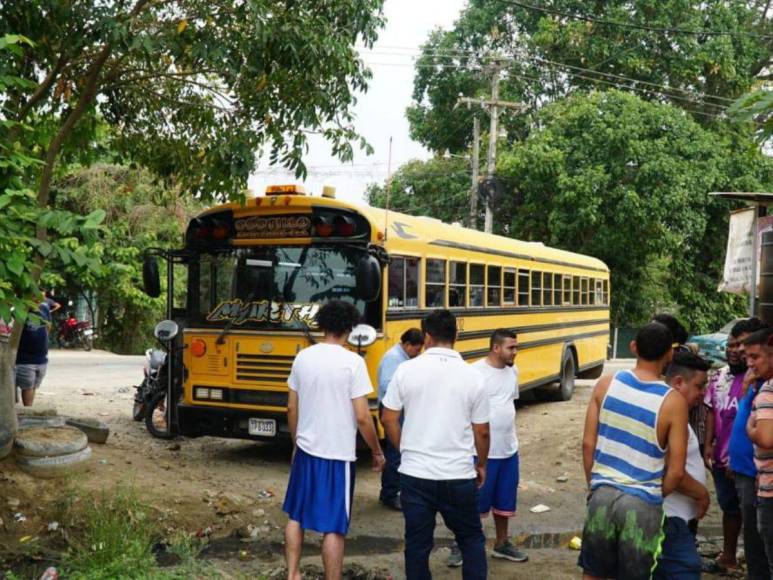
x: 630, y: 25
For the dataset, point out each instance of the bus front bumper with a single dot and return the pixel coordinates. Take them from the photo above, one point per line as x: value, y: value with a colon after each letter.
x: 198, y: 421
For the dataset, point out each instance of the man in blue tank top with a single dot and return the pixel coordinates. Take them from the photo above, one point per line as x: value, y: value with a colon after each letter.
x: 632, y: 418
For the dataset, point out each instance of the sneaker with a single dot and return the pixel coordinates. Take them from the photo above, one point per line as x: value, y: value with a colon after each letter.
x: 455, y: 557
x: 509, y: 552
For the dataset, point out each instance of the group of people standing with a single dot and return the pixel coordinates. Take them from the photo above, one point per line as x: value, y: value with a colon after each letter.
x: 462, y: 464
x: 646, y: 455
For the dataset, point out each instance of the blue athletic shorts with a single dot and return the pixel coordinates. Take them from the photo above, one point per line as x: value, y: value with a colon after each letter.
x: 319, y: 493
x: 500, y: 490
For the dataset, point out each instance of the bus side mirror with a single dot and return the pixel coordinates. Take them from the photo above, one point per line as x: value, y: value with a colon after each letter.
x: 150, y: 278
x: 368, y: 278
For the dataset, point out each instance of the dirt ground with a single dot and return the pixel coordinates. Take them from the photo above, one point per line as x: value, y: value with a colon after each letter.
x: 232, y: 491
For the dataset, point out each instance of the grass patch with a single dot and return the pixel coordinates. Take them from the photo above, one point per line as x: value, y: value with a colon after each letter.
x: 114, y: 535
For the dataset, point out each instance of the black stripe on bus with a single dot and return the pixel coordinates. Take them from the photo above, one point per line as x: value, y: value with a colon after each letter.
x: 503, y: 253
x: 466, y: 355
x: 472, y: 334
x: 418, y: 313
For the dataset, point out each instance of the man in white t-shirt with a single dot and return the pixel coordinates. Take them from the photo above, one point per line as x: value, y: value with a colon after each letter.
x: 499, y: 493
x: 327, y: 404
x: 446, y: 413
x: 679, y: 556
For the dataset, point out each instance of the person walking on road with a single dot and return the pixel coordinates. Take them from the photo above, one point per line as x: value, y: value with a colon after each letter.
x: 499, y: 493
x: 409, y: 347
x: 632, y: 418
x: 32, y: 355
x: 327, y: 404
x: 759, y: 357
x: 446, y: 424
x: 687, y: 374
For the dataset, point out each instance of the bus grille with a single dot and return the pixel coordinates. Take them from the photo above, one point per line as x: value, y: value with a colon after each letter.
x: 262, y: 368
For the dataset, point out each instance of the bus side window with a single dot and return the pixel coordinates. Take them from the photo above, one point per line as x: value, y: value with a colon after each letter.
x: 403, y: 283
x: 557, y: 289
x: 477, y: 284
x: 575, y: 290
x: 508, y: 295
x: 494, y: 277
x: 606, y: 293
x: 599, y: 293
x: 523, y: 287
x: 457, y: 285
x: 435, y: 287
x: 536, y: 288
x: 396, y: 283
x: 584, y: 291
x: 567, y: 290
x: 547, y: 289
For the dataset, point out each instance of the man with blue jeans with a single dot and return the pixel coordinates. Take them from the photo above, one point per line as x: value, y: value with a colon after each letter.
x: 409, y: 347
x: 437, y: 472
x: 741, y: 451
x: 679, y: 556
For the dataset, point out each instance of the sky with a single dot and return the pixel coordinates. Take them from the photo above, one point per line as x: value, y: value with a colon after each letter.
x: 379, y: 113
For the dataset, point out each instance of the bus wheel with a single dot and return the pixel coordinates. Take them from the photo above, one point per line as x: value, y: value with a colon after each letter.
x: 566, y: 384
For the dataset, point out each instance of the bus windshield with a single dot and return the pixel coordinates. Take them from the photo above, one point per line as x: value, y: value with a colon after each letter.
x: 274, y: 286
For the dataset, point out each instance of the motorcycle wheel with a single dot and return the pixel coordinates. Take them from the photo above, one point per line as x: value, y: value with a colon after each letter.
x: 86, y: 342
x: 155, y: 418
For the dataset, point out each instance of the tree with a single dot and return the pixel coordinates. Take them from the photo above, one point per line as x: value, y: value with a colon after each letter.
x: 438, y: 188
x: 756, y: 109
x: 196, y: 91
x: 141, y: 212
x: 628, y: 181
x: 699, y: 56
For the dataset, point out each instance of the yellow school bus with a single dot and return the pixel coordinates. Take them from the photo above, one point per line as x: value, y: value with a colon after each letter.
x: 258, y: 272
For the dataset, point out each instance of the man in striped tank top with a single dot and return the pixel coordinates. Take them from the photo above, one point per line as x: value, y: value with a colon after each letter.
x: 632, y: 418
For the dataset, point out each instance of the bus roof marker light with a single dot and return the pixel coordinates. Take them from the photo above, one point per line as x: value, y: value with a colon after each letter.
x: 285, y: 189
x: 329, y: 192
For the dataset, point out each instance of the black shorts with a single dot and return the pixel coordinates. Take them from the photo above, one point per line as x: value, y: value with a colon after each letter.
x: 622, y: 536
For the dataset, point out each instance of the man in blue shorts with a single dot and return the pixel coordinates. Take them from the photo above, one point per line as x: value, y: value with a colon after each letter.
x: 32, y: 355
x: 499, y: 492
x: 327, y: 404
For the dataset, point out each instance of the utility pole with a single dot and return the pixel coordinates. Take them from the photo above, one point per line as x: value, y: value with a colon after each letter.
x: 488, y: 224
x: 475, y: 168
x: 492, y: 105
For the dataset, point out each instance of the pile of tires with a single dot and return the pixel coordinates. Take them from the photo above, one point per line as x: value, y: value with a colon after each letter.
x: 46, y: 451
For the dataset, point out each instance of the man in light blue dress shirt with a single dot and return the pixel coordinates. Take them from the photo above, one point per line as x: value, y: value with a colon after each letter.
x: 409, y: 347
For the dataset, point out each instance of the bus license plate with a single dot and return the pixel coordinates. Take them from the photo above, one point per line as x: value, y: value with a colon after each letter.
x: 262, y: 427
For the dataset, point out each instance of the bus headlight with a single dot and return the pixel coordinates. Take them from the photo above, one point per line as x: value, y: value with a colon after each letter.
x: 216, y: 394
x: 203, y: 393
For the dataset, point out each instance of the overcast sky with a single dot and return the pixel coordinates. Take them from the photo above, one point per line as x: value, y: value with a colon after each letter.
x: 380, y: 113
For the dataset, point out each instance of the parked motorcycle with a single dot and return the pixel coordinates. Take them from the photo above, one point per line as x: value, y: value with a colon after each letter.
x: 73, y: 333
x: 150, y: 399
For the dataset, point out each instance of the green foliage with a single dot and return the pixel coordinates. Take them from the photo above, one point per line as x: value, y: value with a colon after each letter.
x: 546, y: 57
x: 438, y: 188
x: 198, y: 89
x: 628, y: 181
x: 755, y: 108
x: 21, y: 249
x: 140, y: 212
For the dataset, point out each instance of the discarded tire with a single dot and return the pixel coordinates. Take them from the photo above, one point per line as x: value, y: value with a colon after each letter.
x: 49, y: 441
x: 55, y: 466
x: 34, y: 421
x: 96, y: 431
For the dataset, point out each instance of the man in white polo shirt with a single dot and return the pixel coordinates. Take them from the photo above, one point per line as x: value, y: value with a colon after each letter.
x: 446, y: 413
x: 326, y: 406
x: 679, y: 555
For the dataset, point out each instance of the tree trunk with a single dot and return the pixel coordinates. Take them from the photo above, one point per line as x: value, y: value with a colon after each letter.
x: 8, y: 423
